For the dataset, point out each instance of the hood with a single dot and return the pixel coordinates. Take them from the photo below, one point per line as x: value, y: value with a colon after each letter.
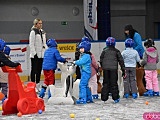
x: 151, y: 51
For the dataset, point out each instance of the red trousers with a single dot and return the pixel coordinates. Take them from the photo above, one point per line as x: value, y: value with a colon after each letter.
x: 49, y: 77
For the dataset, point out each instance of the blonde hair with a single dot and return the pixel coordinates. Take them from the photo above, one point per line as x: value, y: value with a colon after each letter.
x: 36, y: 21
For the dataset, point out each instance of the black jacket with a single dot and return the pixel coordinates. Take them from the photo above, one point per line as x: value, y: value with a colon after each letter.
x: 5, y: 61
x: 110, y: 57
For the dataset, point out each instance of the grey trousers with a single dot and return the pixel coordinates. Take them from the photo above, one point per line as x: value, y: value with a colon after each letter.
x: 4, y: 87
x: 130, y: 84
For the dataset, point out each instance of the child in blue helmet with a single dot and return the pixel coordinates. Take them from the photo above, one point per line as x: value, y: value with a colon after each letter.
x: 4, y: 52
x: 4, y: 76
x: 51, y: 57
x: 109, y: 59
x: 94, y: 68
x: 130, y: 32
x: 77, y: 56
x: 131, y: 57
x: 85, y: 67
x: 3, y: 59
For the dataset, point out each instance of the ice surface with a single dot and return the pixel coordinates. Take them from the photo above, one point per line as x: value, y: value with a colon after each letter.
x: 126, y: 109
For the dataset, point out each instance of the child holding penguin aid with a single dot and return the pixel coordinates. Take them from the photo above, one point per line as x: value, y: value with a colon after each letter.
x: 4, y: 60
x: 4, y: 76
x: 51, y: 57
x: 94, y: 68
x: 84, y: 63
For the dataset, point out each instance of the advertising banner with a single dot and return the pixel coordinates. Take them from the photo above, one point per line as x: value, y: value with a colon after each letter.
x: 19, y: 54
x: 90, y: 19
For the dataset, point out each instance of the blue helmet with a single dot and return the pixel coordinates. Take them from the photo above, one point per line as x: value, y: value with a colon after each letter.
x: 111, y: 41
x: 7, y: 50
x: 86, y: 45
x: 85, y: 39
x: 2, y: 44
x: 51, y: 43
x: 89, y: 45
x: 129, y: 42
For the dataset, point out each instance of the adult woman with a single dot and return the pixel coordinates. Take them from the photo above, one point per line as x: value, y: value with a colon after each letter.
x: 37, y: 44
x: 133, y: 34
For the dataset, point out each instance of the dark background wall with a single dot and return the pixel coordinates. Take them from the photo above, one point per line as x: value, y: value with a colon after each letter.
x: 127, y: 12
x: 16, y: 18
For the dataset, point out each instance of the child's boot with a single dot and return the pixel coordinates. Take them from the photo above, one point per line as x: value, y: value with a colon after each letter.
x: 156, y: 93
x: 89, y: 99
x: 126, y: 95
x: 49, y: 93
x: 42, y: 93
x: 116, y: 101
x: 134, y: 95
x: 95, y: 96
x: 148, y: 93
x: 81, y: 101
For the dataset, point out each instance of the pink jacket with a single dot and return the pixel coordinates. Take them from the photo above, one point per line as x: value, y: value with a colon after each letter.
x: 150, y: 59
x: 94, y: 66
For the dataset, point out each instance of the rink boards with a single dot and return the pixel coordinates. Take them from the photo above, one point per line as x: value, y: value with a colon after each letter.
x: 20, y: 53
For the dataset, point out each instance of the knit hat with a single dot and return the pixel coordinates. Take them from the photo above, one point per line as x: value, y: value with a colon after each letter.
x: 128, y: 27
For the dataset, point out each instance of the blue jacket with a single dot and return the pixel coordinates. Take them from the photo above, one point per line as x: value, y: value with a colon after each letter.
x: 51, y: 57
x: 130, y: 57
x: 138, y: 44
x: 84, y: 63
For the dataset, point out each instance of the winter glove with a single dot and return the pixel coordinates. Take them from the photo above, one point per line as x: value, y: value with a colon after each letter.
x: 65, y: 61
x: 124, y: 74
x: 18, y: 64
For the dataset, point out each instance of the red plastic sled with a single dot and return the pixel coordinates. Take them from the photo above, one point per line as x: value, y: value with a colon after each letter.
x: 20, y: 99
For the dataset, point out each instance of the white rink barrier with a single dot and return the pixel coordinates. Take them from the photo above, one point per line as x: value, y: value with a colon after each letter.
x: 20, y: 53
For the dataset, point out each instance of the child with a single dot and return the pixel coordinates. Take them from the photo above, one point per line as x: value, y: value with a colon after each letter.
x: 93, y: 80
x: 5, y: 61
x: 85, y: 67
x: 94, y: 68
x: 131, y: 57
x: 4, y: 76
x: 77, y: 56
x: 109, y: 59
x: 51, y: 57
x: 150, y: 60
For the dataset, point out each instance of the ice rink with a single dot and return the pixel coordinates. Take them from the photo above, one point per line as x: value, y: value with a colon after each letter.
x: 126, y: 109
